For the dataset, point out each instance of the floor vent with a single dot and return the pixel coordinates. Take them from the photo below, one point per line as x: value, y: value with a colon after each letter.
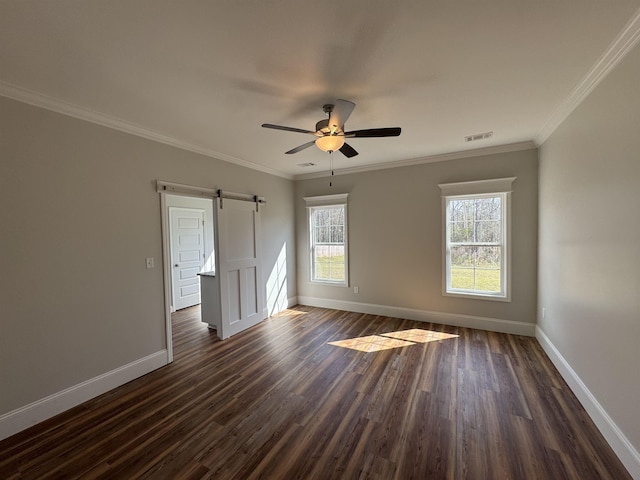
x: 308, y: 164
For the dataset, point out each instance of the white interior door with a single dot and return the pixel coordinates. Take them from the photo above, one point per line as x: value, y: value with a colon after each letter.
x: 239, y: 266
x: 187, y: 255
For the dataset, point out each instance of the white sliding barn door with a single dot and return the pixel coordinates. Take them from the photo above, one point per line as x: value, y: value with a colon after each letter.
x: 240, y: 265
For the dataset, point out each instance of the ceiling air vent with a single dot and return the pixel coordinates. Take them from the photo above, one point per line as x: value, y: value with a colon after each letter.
x: 478, y: 136
x: 308, y: 164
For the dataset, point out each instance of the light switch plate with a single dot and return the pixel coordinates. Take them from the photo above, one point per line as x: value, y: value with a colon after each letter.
x: 150, y: 262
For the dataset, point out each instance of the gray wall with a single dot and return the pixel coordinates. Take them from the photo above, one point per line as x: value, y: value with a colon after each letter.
x: 589, y: 271
x: 395, y: 235
x: 79, y: 214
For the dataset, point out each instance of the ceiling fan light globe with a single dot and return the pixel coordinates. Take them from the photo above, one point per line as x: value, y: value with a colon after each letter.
x: 330, y: 143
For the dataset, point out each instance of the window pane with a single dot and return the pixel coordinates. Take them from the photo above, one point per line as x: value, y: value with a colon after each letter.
x: 461, y: 210
x: 337, y: 253
x: 323, y: 235
x: 322, y: 266
x: 461, y: 231
x: 321, y: 218
x: 488, y: 208
x: 337, y: 234
x: 488, y: 231
x: 337, y: 262
x: 488, y: 257
x: 462, y: 256
x: 322, y: 251
x: 337, y: 216
x: 462, y: 278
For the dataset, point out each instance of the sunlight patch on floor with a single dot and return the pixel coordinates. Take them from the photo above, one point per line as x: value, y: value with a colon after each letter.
x: 372, y: 343
x: 386, y: 341
x: 420, y: 336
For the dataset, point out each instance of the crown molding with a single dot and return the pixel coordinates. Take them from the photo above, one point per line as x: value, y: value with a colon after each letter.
x: 443, y: 157
x: 65, y: 108
x: 623, y: 44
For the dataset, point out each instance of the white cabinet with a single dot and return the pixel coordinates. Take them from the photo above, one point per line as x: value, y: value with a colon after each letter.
x: 210, y: 300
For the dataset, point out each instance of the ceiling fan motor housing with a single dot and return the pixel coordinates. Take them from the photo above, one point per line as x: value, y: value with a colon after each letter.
x: 323, y: 126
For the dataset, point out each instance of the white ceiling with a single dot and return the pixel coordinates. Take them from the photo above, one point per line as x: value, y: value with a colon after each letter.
x: 206, y: 74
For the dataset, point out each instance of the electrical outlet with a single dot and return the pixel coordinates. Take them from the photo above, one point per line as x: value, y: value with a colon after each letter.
x: 356, y: 289
x: 150, y: 262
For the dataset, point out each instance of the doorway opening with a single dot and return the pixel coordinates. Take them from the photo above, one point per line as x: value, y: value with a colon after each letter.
x: 184, y: 205
x: 222, y: 249
x: 191, y: 247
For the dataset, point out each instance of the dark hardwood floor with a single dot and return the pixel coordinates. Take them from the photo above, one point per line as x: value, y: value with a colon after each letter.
x: 278, y: 401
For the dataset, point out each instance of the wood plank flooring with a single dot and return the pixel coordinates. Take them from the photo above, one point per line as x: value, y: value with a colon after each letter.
x: 279, y: 402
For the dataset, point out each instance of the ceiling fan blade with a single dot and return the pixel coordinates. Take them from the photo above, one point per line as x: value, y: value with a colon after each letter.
x: 348, y: 151
x: 301, y: 147
x: 340, y: 113
x: 287, y: 129
x: 374, y: 132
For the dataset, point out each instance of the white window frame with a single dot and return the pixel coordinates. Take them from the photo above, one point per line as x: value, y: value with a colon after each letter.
x: 479, y: 189
x: 314, y: 203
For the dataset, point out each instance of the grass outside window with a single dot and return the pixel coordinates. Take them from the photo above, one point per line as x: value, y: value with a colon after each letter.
x: 485, y: 280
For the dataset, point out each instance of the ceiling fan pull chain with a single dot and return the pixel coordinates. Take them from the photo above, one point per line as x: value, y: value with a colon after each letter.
x: 331, y: 166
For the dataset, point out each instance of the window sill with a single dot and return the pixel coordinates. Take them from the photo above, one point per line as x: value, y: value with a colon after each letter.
x: 477, y: 296
x: 327, y: 282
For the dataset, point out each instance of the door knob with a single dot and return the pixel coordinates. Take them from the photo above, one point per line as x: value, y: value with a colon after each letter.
x: 176, y: 265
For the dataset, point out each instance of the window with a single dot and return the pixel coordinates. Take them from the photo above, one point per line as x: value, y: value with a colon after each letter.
x: 476, y: 238
x: 328, y: 239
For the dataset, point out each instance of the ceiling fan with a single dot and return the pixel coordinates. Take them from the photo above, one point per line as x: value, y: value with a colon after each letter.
x: 330, y: 132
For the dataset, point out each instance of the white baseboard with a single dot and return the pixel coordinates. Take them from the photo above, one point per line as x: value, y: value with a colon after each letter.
x: 457, y: 320
x: 292, y: 302
x: 623, y: 448
x: 40, y: 410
